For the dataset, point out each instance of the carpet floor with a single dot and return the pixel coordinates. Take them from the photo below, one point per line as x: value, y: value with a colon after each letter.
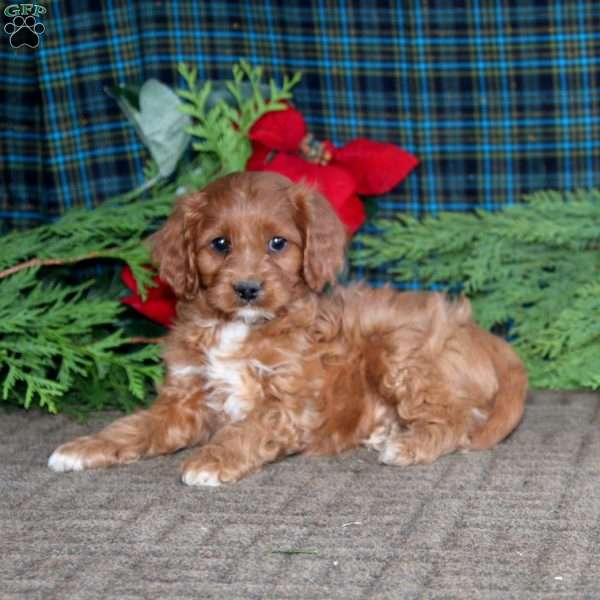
x: 518, y: 521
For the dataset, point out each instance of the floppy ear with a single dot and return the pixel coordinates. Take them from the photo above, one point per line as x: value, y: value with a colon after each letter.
x: 174, y: 246
x: 325, y: 237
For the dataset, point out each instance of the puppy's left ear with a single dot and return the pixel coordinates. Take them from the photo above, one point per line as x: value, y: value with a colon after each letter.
x: 325, y: 237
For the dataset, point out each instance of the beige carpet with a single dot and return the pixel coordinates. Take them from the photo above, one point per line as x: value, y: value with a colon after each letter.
x: 519, y: 521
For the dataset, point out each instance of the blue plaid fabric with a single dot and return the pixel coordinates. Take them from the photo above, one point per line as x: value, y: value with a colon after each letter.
x: 496, y: 98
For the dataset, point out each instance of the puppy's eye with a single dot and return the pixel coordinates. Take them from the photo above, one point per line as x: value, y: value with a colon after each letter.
x: 277, y: 244
x: 221, y: 245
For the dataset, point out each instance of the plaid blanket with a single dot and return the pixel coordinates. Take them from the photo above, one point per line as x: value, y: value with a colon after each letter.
x: 496, y: 98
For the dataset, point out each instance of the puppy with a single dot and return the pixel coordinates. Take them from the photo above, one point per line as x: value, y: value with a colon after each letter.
x: 263, y: 363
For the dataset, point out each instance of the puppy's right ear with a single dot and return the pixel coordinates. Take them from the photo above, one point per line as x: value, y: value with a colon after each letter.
x: 174, y: 246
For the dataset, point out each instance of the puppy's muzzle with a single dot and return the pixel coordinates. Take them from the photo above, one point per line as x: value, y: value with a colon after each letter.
x: 247, y: 290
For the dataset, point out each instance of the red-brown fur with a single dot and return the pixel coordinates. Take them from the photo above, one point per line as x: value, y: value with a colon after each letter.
x: 299, y: 369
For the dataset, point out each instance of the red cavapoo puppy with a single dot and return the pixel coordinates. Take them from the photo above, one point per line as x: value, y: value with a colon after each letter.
x: 263, y: 363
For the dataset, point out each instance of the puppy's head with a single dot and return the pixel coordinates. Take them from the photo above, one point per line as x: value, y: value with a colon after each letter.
x: 251, y: 243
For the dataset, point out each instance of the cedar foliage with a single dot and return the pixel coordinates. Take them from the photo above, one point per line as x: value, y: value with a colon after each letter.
x: 66, y: 341
x: 230, y: 146
x: 531, y: 269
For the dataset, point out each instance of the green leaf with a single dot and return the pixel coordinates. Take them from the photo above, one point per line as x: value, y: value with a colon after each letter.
x: 159, y: 122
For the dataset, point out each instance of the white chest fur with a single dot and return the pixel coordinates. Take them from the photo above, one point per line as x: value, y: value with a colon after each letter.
x: 230, y: 383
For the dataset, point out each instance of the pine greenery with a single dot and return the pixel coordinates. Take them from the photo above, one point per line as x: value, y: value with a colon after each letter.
x: 52, y: 334
x: 230, y: 146
x: 532, y: 269
x: 68, y: 344
x: 66, y: 341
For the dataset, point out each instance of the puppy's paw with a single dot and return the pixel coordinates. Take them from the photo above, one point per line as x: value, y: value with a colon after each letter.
x: 412, y: 448
x: 211, y: 466
x: 85, y: 453
x: 191, y: 476
x: 397, y: 452
x: 62, y: 461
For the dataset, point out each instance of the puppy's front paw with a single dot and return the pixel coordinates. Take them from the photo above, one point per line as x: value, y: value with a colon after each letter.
x: 61, y: 461
x: 212, y: 466
x: 192, y: 476
x: 83, y: 453
x: 397, y: 452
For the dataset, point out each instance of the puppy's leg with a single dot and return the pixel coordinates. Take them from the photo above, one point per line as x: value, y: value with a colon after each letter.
x: 423, y: 442
x: 431, y: 419
x: 243, y: 447
x: 174, y: 421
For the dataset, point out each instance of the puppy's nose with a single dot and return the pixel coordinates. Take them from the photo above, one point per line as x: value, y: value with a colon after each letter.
x: 247, y: 290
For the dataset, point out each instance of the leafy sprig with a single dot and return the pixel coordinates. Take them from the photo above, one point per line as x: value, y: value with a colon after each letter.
x: 533, y: 268
x: 221, y: 128
x: 51, y: 334
x: 72, y: 346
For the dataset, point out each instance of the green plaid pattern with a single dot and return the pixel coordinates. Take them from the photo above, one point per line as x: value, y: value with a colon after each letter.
x: 496, y: 98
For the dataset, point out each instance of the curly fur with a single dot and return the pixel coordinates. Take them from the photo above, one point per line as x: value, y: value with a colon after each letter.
x: 298, y: 369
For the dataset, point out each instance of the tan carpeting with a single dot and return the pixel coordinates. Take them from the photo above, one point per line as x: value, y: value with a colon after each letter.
x: 518, y: 521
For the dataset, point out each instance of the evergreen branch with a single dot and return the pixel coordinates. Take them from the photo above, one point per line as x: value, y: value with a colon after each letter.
x: 141, y: 339
x: 222, y: 130
x: 52, y: 334
x: 72, y: 346
x: 533, y: 267
x: 52, y: 262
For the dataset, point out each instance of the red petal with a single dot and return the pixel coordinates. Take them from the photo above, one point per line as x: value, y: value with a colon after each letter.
x: 377, y: 166
x: 279, y: 130
x: 161, y: 310
x: 352, y: 213
x: 334, y: 182
x: 258, y: 157
x: 160, y: 303
x: 160, y: 290
x: 128, y: 279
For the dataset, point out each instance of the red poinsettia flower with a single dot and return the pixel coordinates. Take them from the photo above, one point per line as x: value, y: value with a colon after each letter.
x: 280, y: 143
x: 160, y: 300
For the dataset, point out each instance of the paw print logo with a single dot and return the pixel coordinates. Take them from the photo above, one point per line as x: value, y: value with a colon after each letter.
x: 24, y: 31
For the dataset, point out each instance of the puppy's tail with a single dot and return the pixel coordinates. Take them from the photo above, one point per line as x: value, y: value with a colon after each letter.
x: 509, y: 402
